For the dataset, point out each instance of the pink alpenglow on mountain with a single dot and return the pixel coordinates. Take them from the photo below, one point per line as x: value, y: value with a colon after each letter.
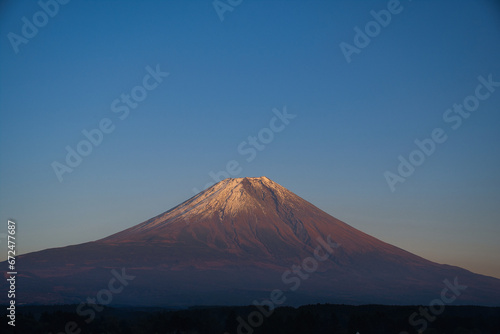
x: 236, y: 242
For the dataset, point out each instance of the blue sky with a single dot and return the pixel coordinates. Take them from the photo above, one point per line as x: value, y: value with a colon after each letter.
x: 352, y: 120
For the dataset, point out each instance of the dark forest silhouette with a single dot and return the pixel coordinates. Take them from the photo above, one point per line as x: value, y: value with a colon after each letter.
x: 318, y: 318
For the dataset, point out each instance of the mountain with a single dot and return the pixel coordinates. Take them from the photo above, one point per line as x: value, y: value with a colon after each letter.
x: 236, y: 242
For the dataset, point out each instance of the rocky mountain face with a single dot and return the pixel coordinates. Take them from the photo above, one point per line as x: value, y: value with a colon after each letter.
x: 236, y: 242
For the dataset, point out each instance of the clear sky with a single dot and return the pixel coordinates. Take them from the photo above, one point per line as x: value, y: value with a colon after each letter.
x: 353, y: 119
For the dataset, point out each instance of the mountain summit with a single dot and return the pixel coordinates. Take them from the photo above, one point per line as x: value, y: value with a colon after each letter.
x: 252, y: 218
x: 235, y: 242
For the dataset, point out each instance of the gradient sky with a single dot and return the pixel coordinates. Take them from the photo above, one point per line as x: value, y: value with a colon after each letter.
x: 353, y: 119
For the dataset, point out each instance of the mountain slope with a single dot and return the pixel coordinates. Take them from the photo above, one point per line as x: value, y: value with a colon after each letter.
x: 237, y: 241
